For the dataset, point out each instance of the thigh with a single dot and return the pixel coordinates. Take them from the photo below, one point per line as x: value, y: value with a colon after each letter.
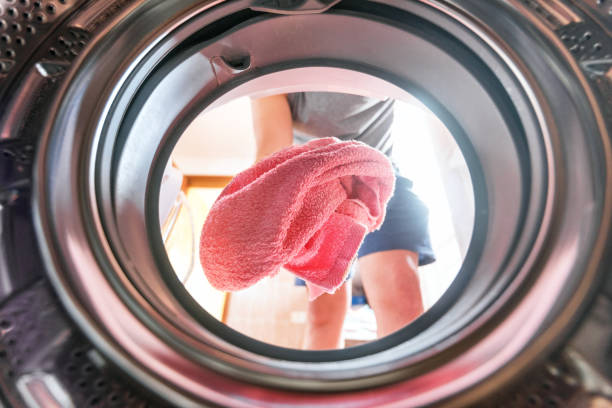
x: 390, y: 274
x: 392, y: 286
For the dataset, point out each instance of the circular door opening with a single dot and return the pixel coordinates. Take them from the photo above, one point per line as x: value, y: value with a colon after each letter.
x: 221, y: 142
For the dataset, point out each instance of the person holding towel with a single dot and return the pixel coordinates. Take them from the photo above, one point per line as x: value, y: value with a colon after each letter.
x: 389, y: 257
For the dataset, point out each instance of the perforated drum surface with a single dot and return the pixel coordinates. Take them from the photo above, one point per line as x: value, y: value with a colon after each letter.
x: 24, y: 24
x: 37, y: 339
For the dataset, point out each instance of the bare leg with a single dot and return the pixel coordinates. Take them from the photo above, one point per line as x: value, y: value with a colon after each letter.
x: 325, y: 320
x: 273, y: 129
x: 392, y: 286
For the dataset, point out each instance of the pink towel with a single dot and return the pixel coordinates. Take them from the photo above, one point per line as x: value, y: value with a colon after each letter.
x: 305, y: 208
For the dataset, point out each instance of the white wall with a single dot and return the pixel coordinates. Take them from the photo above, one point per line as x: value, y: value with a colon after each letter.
x: 426, y: 153
x: 219, y: 142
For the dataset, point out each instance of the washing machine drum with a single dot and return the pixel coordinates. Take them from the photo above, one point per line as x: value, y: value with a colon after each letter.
x: 94, y: 94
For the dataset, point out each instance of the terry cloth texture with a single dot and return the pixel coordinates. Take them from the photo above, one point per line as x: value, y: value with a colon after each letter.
x: 305, y: 208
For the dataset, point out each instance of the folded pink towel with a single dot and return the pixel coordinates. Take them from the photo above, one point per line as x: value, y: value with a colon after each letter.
x: 305, y: 208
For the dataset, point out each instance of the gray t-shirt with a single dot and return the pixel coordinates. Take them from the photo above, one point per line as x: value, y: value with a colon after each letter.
x: 345, y: 116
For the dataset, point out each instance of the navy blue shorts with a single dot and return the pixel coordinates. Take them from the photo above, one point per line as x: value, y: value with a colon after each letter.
x: 405, y: 227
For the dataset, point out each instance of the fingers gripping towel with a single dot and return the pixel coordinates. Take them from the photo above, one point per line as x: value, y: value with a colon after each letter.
x: 305, y: 208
